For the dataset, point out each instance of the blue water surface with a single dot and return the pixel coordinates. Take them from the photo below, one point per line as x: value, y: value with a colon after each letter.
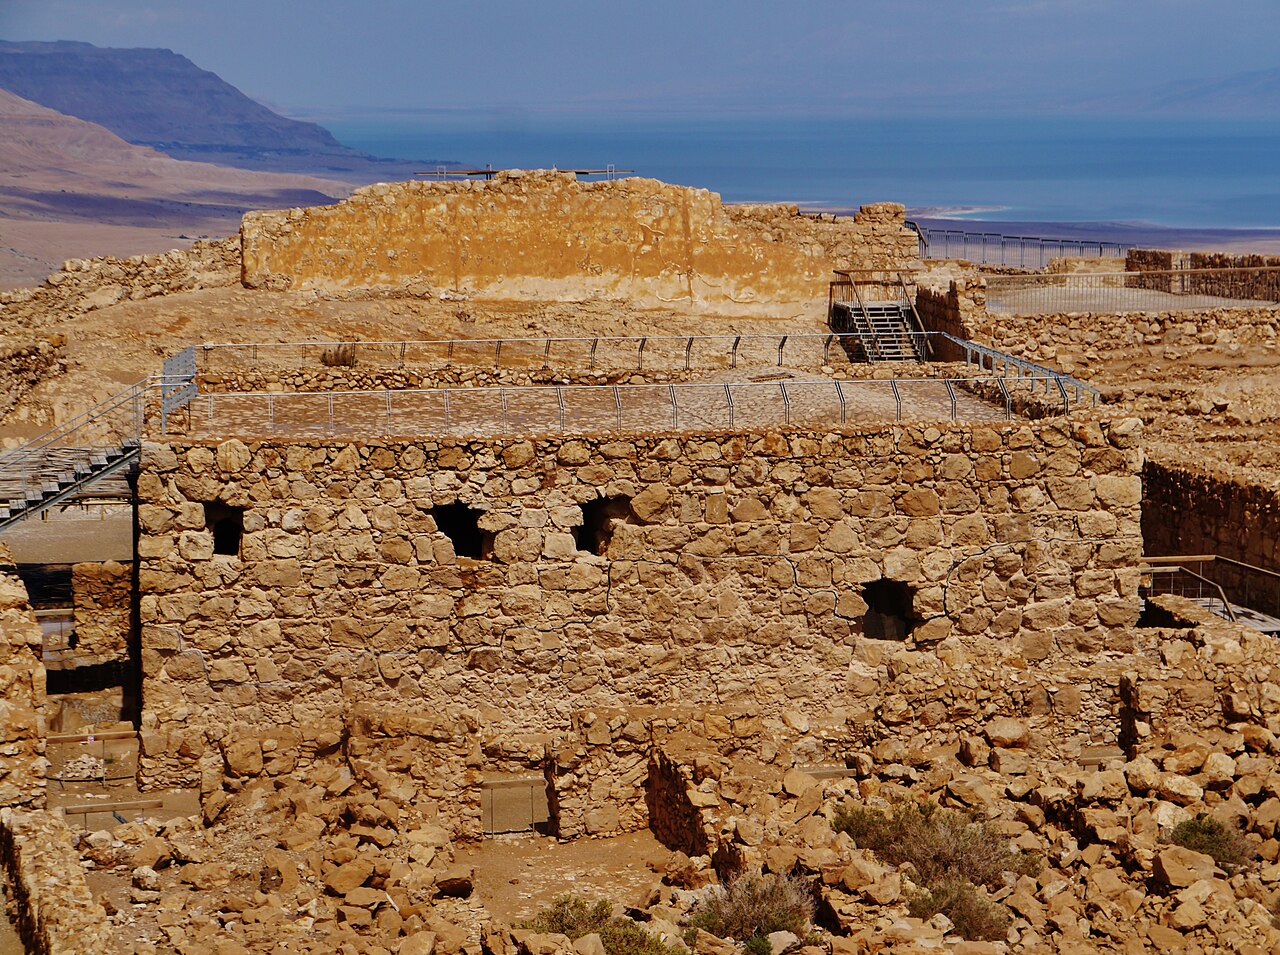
x: 1189, y: 173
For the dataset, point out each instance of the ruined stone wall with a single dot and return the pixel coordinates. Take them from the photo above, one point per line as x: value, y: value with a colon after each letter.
x: 544, y: 236
x: 1038, y: 337
x: 83, y: 285
x: 102, y: 598
x: 23, y: 366
x: 735, y: 573
x: 1261, y: 286
x: 54, y: 909
x: 22, y: 694
x: 1197, y: 511
x: 958, y: 309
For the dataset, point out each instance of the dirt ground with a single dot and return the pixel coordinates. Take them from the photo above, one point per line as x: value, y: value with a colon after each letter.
x: 517, y: 875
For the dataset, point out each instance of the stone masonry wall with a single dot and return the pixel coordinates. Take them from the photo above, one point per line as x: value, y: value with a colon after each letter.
x: 735, y: 573
x: 1195, y: 511
x: 102, y: 597
x: 83, y: 285
x: 1265, y: 287
x: 22, y: 694
x: 546, y: 236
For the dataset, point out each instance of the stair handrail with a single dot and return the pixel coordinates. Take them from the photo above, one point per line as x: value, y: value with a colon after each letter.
x: 1168, y: 570
x: 867, y: 333
x: 924, y: 347
x: 59, y: 433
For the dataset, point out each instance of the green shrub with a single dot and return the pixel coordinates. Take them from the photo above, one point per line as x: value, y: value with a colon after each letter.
x: 939, y: 843
x: 1205, y: 834
x: 974, y: 915
x: 576, y: 917
x: 752, y: 904
x: 757, y: 945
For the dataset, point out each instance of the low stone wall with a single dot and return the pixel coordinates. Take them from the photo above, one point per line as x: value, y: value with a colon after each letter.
x: 728, y: 567
x: 959, y: 309
x: 545, y: 236
x: 1195, y: 511
x: 22, y: 694
x: 83, y: 285
x: 102, y: 604
x: 1264, y: 287
x: 54, y: 909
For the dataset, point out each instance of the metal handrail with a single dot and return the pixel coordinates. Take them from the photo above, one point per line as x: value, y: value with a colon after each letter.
x: 924, y: 348
x: 1208, y: 559
x: 1034, y: 371
x: 1172, y: 569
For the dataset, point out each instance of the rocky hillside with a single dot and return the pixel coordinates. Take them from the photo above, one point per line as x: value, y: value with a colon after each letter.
x: 161, y: 99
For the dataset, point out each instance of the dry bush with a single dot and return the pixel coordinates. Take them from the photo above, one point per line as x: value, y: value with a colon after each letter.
x: 939, y: 843
x: 1205, y: 834
x: 576, y: 917
x: 751, y: 904
x: 974, y: 915
x: 344, y: 356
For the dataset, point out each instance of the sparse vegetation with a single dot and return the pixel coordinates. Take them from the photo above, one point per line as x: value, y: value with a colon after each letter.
x: 344, y: 356
x: 937, y: 842
x: 952, y: 853
x: 757, y: 945
x: 575, y: 917
x: 973, y: 914
x: 1214, y: 838
x: 751, y: 904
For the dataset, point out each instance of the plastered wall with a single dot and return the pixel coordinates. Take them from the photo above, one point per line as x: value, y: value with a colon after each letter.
x: 546, y: 236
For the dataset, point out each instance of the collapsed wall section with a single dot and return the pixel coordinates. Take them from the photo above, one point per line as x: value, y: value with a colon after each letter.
x: 545, y: 236
x: 525, y: 580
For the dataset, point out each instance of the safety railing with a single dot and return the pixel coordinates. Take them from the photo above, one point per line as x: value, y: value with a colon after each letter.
x: 564, y: 409
x: 1118, y: 292
x: 1248, y: 585
x: 1020, y: 251
x: 1181, y: 582
x: 600, y: 353
x: 1072, y: 391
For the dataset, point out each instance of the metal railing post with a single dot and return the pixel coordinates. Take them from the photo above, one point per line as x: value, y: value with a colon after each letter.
x: 591, y: 363
x: 688, y: 347
x: 640, y: 353
x: 617, y: 403
x: 728, y: 397
x: 560, y: 402
x: 1008, y: 402
x: 506, y: 422
x: 951, y: 393
x: 781, y: 345
x: 840, y: 395
x: 675, y: 409
x: 786, y: 402
x: 733, y: 355
x: 897, y: 400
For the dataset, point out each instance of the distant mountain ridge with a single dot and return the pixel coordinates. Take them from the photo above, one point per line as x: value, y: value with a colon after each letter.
x: 158, y: 98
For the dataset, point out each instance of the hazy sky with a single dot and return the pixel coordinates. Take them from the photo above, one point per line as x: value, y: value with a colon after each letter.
x: 696, y: 55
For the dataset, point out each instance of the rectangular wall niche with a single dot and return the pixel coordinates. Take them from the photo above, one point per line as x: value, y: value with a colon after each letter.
x: 890, y: 614
x: 227, y: 524
x: 598, y: 519
x: 461, y: 524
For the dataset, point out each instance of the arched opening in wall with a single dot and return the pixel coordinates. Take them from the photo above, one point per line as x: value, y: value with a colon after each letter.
x: 461, y: 524
x: 227, y: 524
x: 599, y: 518
x: 890, y: 614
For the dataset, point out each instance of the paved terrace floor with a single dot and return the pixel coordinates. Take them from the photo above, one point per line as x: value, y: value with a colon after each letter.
x: 740, y: 399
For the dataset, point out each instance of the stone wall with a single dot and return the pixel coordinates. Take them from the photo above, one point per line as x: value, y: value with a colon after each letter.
x: 83, y: 285
x: 1263, y: 287
x: 55, y: 911
x: 1190, y: 510
x: 734, y: 570
x: 24, y: 366
x: 22, y: 694
x: 958, y: 309
x: 102, y: 602
x: 545, y: 236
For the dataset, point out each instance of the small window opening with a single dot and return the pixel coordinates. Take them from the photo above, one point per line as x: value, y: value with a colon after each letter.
x: 227, y: 524
x: 889, y: 610
x: 461, y: 524
x: 598, y: 520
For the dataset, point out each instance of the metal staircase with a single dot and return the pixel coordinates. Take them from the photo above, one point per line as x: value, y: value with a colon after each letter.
x: 76, y: 459
x: 886, y: 330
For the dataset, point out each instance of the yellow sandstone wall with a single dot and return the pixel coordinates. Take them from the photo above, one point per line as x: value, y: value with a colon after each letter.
x: 545, y: 236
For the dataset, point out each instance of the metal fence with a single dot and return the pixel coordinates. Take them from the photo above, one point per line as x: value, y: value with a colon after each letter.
x: 1022, y: 251
x: 601, y: 353
x: 594, y: 409
x: 1116, y: 292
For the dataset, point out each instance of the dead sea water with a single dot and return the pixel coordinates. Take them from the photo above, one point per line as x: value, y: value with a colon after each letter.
x: 1215, y: 173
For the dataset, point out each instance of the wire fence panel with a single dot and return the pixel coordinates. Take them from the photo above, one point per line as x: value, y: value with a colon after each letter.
x: 599, y: 409
x: 1115, y: 292
x: 1020, y: 251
